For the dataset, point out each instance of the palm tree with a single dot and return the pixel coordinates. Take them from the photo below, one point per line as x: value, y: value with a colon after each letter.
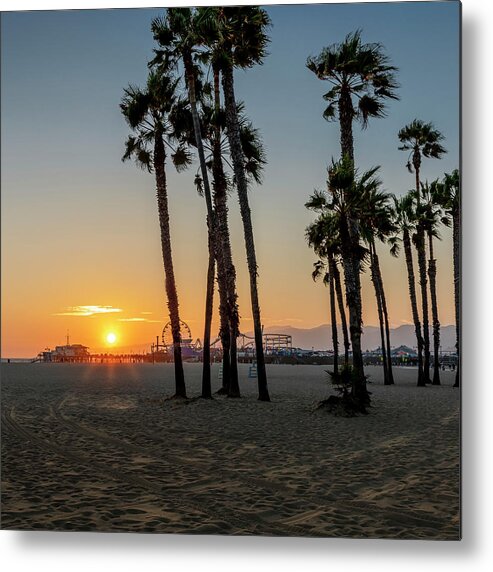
x: 361, y: 80
x: 238, y: 36
x: 230, y: 319
x: 182, y: 34
x: 375, y: 219
x: 421, y: 140
x: 211, y: 126
x: 340, y: 201
x: 433, y: 216
x: 405, y: 224
x: 322, y: 236
x: 150, y: 114
x: 449, y: 199
x: 217, y: 152
x: 176, y: 37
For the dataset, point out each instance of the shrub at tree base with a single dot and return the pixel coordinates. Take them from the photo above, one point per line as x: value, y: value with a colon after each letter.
x: 344, y: 404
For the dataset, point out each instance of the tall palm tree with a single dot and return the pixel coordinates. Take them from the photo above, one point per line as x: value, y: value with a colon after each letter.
x: 361, y: 80
x: 405, y: 224
x: 212, y: 126
x: 322, y: 236
x: 182, y: 34
x: 421, y: 140
x: 176, y: 37
x: 449, y: 199
x: 238, y: 35
x: 340, y: 202
x: 433, y: 217
x: 375, y: 219
x: 218, y: 158
x: 150, y: 114
x: 230, y: 319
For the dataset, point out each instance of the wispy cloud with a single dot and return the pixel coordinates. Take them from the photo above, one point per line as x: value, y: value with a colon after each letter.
x: 138, y: 320
x: 146, y: 313
x: 88, y: 311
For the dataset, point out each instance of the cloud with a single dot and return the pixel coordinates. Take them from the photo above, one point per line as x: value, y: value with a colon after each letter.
x: 88, y: 310
x: 146, y: 313
x: 138, y: 320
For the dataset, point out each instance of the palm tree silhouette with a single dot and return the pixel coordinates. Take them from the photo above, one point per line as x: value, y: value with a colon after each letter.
x: 375, y: 220
x: 238, y: 37
x: 404, y: 219
x: 449, y: 198
x: 177, y: 38
x: 323, y: 236
x: 342, y: 197
x: 432, y: 218
x: 152, y: 115
x: 421, y: 140
x: 218, y: 160
x: 361, y: 80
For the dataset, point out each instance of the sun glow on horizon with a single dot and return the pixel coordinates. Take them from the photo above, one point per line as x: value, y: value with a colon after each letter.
x: 111, y: 338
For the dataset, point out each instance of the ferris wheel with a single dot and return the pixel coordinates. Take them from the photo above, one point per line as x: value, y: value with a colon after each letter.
x: 185, y: 334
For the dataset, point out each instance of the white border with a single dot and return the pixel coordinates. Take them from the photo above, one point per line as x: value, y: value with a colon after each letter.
x: 58, y: 552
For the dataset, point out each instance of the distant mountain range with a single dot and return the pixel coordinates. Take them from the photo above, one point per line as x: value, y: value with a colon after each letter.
x: 320, y: 338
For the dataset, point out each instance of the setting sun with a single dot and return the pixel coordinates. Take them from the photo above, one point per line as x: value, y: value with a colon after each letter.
x: 111, y: 338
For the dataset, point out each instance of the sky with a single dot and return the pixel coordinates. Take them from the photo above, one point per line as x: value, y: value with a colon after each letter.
x: 80, y: 234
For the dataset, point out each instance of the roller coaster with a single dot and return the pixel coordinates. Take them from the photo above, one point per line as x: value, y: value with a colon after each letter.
x: 274, y: 344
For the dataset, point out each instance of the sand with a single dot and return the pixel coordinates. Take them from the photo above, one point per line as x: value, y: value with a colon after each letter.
x: 97, y: 447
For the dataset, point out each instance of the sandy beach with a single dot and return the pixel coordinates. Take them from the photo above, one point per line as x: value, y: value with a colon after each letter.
x: 97, y: 447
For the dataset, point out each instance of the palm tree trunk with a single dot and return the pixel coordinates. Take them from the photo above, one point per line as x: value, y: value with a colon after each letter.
x: 456, y: 246
x: 206, y: 350
x: 227, y: 272
x: 346, y: 114
x: 225, y: 344
x: 171, y: 293
x: 385, y: 316
x: 233, y: 132
x: 211, y: 223
x: 376, y: 285
x: 359, y: 391
x: 352, y: 275
x: 191, y: 79
x: 414, y: 304
x: 421, y: 249
x: 333, y: 315
x: 423, y: 282
x: 342, y: 312
x: 432, y: 272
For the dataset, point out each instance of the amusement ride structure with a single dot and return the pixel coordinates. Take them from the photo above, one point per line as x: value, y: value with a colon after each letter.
x: 274, y: 344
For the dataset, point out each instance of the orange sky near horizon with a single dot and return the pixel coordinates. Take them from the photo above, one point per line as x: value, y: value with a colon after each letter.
x: 118, y: 264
